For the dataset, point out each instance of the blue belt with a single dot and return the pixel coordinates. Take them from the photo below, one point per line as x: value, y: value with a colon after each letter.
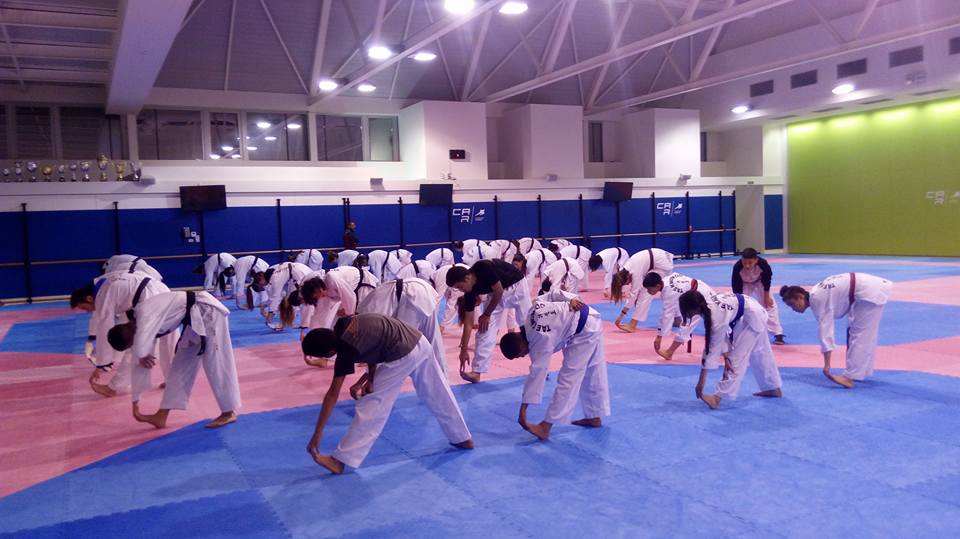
x: 737, y: 318
x: 584, y: 314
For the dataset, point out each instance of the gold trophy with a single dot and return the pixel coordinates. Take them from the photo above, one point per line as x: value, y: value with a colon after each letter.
x: 6, y: 175
x: 32, y: 169
x: 85, y: 167
x: 47, y: 170
x: 102, y: 164
x: 18, y: 170
x: 73, y: 172
x: 119, y: 167
x: 60, y: 171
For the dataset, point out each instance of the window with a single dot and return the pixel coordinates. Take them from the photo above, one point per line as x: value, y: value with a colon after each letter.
x: 384, y: 145
x: 224, y: 135
x: 703, y: 146
x: 761, y: 88
x: 4, y: 154
x: 955, y: 45
x: 903, y: 57
x: 34, y: 132
x: 807, y: 78
x: 339, y: 138
x: 276, y: 137
x: 169, y: 134
x: 88, y: 132
x: 595, y: 138
x: 849, y: 69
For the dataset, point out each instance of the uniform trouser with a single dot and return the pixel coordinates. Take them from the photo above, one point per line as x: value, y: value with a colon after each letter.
x: 749, y: 347
x: 516, y: 299
x: 583, y: 374
x: 685, y: 332
x: 755, y: 290
x: 218, y: 364
x: 607, y: 280
x: 373, y: 409
x: 643, y: 304
x: 862, y: 341
x: 450, y: 309
x: 324, y: 313
x: 122, y: 371
x: 428, y: 326
x: 140, y: 379
x: 583, y: 284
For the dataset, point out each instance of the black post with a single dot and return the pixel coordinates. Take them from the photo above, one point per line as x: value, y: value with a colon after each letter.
x: 583, y: 233
x: 496, y: 217
x: 619, y: 236
x: 539, y: 217
x: 26, y: 251
x: 734, y: 227
x: 116, y: 227
x: 686, y: 204
x: 720, y: 199
x: 280, y: 229
x: 203, y: 236
x: 450, y: 222
x: 653, y: 216
x: 346, y: 212
x: 402, y: 243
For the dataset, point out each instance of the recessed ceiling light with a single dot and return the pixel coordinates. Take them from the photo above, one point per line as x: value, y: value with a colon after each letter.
x: 264, y: 125
x: 740, y: 109
x: 226, y: 148
x: 513, y: 8
x: 293, y: 126
x: 845, y: 88
x: 379, y: 52
x: 366, y: 87
x: 235, y: 156
x: 214, y: 156
x: 425, y: 56
x: 251, y: 148
x: 328, y: 85
x: 459, y: 7
x: 270, y: 139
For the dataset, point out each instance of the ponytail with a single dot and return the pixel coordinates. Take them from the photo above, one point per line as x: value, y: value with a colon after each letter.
x: 461, y: 310
x: 249, y: 294
x: 287, y: 312
x: 790, y: 292
x: 620, y: 279
x: 222, y: 283
x: 693, y: 303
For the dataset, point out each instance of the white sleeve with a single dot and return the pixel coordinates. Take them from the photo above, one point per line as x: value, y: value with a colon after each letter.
x: 149, y: 323
x: 717, y: 346
x: 276, y: 294
x: 823, y: 312
x: 348, y: 298
x: 537, y: 378
x: 102, y: 321
x: 671, y: 310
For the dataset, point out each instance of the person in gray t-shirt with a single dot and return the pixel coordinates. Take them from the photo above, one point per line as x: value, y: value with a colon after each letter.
x: 392, y: 350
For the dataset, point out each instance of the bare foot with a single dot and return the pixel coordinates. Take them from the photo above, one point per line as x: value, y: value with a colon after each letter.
x: 163, y: 385
x: 320, y: 362
x: 592, y: 422
x: 103, y: 389
x: 328, y: 462
x: 223, y: 419
x: 842, y: 380
x: 777, y: 393
x: 540, y: 430
x: 464, y: 445
x: 158, y: 420
x: 712, y: 401
x: 665, y: 355
x: 473, y: 377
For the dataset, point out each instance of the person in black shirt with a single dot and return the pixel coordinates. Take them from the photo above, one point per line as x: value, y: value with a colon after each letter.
x: 507, y: 289
x: 350, y: 240
x: 392, y: 350
x: 752, y: 276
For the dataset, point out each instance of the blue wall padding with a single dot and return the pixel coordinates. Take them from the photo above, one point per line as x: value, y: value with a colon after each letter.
x: 473, y: 220
x: 773, y: 221
x: 424, y: 224
x: 561, y: 218
x: 377, y: 224
x: 11, y: 248
x: 313, y: 227
x: 68, y: 235
x: 12, y: 284
x: 518, y: 219
x: 158, y: 232
x: 241, y: 229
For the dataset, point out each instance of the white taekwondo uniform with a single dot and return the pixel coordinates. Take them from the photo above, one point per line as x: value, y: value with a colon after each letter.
x: 674, y: 286
x: 639, y: 265
x: 213, y: 266
x: 612, y: 261
x: 346, y: 286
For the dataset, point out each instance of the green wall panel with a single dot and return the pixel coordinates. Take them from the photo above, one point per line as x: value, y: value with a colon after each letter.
x: 883, y: 182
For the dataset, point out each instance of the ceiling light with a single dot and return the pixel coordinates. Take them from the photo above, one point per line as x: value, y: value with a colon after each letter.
x: 424, y: 56
x: 844, y: 88
x: 251, y: 148
x: 226, y: 148
x: 235, y: 156
x: 366, y: 87
x: 513, y: 8
x: 459, y: 7
x: 379, y: 52
x: 293, y: 126
x: 264, y: 125
x: 740, y: 109
x: 328, y: 85
x: 214, y: 156
x: 269, y: 139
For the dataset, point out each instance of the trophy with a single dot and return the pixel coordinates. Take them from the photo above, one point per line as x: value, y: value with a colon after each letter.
x: 119, y: 167
x: 32, y: 169
x: 137, y: 171
x: 6, y: 175
x: 18, y: 170
x: 73, y: 172
x: 47, y: 170
x: 60, y: 170
x: 85, y: 167
x: 102, y: 164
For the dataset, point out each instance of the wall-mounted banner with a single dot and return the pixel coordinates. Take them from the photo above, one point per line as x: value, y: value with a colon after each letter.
x: 670, y: 208
x: 469, y: 214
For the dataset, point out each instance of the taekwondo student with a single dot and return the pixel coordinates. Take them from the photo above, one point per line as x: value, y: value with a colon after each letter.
x: 535, y: 262
x: 310, y: 257
x: 244, y: 272
x: 295, y: 300
x: 110, y: 300
x: 130, y: 263
x: 377, y: 262
x: 565, y: 274
x: 215, y: 272
x: 280, y: 281
x: 525, y: 245
x: 633, y: 272
x: 861, y: 298
x: 397, y: 259
x: 612, y: 261
x: 413, y: 301
x: 392, y: 350
x: 507, y: 289
x: 343, y: 258
x: 752, y: 275
x: 448, y: 294
x: 736, y: 336
x: 204, y: 340
x: 670, y: 290
x: 339, y: 293
x: 502, y: 249
x: 557, y: 244
x: 472, y: 250
x: 440, y: 257
x: 418, y: 269
x: 582, y: 256
x: 560, y: 322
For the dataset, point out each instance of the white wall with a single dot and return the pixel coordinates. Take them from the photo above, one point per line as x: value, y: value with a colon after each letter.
x: 742, y: 150
x: 514, y: 141
x: 413, y: 149
x: 430, y: 129
x: 556, y: 142
x: 637, y: 146
x: 677, y: 142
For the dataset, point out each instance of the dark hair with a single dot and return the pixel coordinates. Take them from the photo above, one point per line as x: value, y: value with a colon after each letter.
x: 255, y: 286
x: 652, y: 279
x: 510, y: 345
x: 545, y: 286
x: 222, y: 282
x: 361, y: 261
x: 80, y: 295
x: 522, y: 259
x: 461, y: 309
x: 332, y: 256
x: 288, y: 313
x: 790, y: 292
x: 553, y: 247
x: 458, y: 245
x: 595, y: 262
x: 120, y: 336
x: 267, y: 275
x: 749, y: 253
x: 620, y: 279
x: 292, y: 255
x: 230, y: 271
x: 295, y: 298
x: 309, y: 288
x: 456, y: 274
x: 320, y: 342
x: 249, y: 293
x: 693, y: 303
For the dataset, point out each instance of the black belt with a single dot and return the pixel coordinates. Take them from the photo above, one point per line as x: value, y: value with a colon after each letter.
x: 650, y: 252
x: 191, y: 301
x: 133, y: 265
x: 398, y: 289
x: 136, y: 297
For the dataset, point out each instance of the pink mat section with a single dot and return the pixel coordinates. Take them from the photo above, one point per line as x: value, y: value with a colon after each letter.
x: 941, y: 291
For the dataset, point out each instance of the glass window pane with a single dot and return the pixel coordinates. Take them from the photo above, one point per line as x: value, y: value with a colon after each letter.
x: 34, y: 139
x: 340, y: 138
x: 88, y: 132
x: 178, y: 135
x: 266, y: 137
x: 595, y: 132
x: 224, y: 135
x: 297, y: 140
x: 3, y: 132
x: 147, y: 134
x: 384, y: 145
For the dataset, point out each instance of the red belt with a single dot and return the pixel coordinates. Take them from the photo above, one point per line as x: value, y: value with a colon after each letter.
x: 693, y: 284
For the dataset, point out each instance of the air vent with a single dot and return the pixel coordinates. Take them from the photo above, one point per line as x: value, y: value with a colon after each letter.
x: 904, y: 57
x: 784, y: 117
x: 930, y: 92
x: 849, y: 69
x: 875, y: 101
x: 807, y: 78
x: 955, y: 45
x: 761, y: 88
x: 829, y: 109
